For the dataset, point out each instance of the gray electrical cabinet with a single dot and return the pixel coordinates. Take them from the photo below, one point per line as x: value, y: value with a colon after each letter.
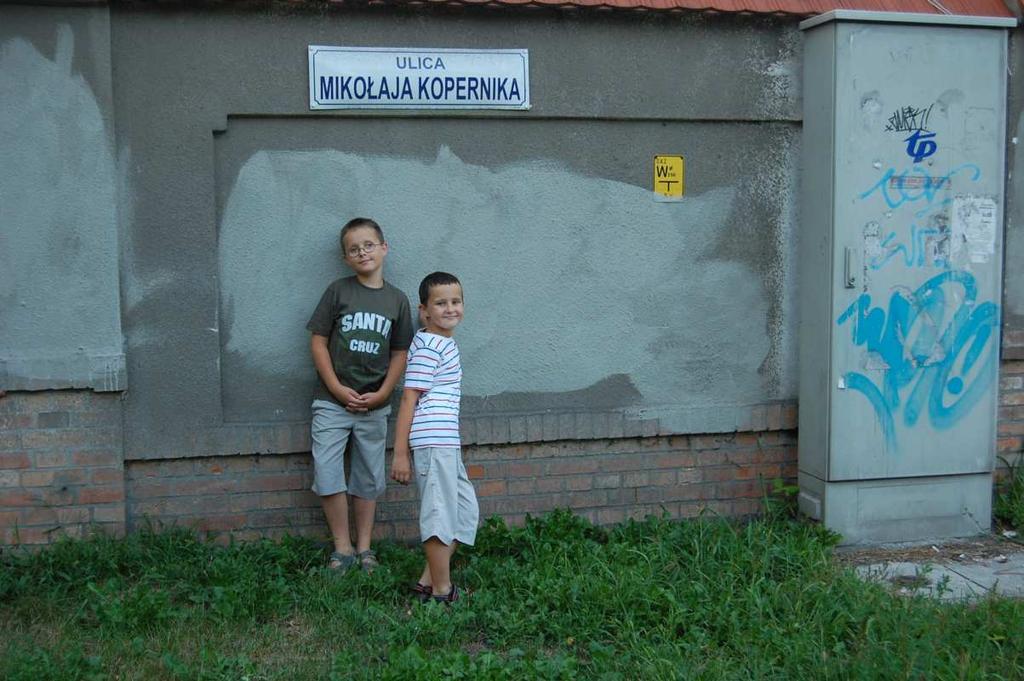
x: 900, y: 257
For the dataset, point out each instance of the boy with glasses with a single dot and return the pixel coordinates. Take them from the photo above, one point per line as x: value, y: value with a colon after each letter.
x: 361, y: 330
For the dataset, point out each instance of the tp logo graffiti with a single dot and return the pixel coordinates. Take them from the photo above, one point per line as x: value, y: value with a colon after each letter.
x: 920, y: 145
x: 932, y: 361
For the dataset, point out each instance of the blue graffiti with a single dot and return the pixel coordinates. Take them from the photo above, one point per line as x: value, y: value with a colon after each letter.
x: 917, y: 255
x: 915, y: 184
x: 934, y: 208
x: 922, y: 351
x: 920, y: 145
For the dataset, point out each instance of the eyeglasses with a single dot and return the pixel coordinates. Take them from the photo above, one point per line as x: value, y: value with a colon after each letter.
x: 367, y: 247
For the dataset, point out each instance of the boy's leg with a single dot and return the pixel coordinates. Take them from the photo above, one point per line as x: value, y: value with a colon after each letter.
x: 439, y: 556
x: 437, y: 480
x: 467, y: 516
x: 336, y: 511
x: 468, y: 508
x: 425, y: 576
x: 468, y: 513
x: 330, y: 433
x: 367, y: 480
x: 364, y: 511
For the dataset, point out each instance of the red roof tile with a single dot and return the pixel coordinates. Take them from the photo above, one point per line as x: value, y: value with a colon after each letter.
x: 801, y: 8
x: 985, y: 8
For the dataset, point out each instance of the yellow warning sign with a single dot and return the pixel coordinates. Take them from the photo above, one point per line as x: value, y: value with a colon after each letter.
x: 669, y: 176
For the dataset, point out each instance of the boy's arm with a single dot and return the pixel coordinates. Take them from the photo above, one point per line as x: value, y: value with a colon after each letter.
x: 322, y: 361
x: 401, y: 468
x: 396, y: 367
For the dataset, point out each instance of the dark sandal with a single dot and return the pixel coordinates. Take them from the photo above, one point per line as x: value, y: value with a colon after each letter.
x: 367, y: 561
x: 451, y: 597
x: 345, y: 562
x: 423, y: 592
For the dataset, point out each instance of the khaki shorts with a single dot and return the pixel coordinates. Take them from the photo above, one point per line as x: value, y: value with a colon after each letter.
x: 448, y: 508
x: 331, y: 430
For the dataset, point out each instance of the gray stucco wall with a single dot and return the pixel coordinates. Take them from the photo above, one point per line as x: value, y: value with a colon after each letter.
x: 593, y: 310
x: 1013, y: 272
x: 587, y: 301
x: 59, y: 301
x: 571, y: 278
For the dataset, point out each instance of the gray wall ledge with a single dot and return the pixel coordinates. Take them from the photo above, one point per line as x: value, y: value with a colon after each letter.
x: 541, y: 426
x: 102, y: 373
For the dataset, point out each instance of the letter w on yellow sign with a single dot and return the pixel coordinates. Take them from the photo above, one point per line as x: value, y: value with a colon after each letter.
x: 669, y: 176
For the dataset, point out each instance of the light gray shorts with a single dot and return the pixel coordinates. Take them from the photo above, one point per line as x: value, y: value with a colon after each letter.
x: 331, y: 428
x: 448, y: 508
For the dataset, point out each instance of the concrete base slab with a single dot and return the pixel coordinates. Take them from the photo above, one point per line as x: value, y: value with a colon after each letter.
x: 1002, y: 575
x: 900, y: 510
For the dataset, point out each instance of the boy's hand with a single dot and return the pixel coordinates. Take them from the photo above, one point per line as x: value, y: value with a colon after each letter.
x: 373, y: 400
x: 401, y: 471
x: 350, y: 399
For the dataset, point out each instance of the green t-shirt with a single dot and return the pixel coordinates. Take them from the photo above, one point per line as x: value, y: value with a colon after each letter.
x: 363, y: 326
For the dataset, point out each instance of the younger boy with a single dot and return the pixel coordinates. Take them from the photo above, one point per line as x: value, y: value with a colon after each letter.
x: 360, y: 332
x: 428, y: 423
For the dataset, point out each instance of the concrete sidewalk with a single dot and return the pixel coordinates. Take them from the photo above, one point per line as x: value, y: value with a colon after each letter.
x: 958, y: 577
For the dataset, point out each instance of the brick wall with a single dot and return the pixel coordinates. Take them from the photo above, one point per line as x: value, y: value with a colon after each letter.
x: 248, y: 496
x: 609, y: 481
x: 61, y: 468
x: 1010, y: 426
x: 61, y: 472
x: 606, y: 481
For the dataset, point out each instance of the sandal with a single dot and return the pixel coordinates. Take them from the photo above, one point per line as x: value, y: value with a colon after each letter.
x: 367, y: 561
x: 423, y: 592
x: 341, y: 562
x: 451, y: 597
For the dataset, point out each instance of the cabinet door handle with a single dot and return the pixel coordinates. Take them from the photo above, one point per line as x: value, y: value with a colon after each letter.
x: 849, y: 268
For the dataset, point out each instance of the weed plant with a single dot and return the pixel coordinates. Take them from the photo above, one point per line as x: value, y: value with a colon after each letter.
x: 1009, y: 499
x: 555, y: 599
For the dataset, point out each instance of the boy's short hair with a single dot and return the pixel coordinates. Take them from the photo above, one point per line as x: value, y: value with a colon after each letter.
x: 436, y: 279
x: 356, y: 223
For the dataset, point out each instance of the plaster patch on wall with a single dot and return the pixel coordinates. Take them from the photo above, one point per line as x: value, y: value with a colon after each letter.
x: 568, y: 279
x: 781, y: 277
x: 614, y: 392
x: 781, y: 86
x: 140, y: 291
x: 763, y: 235
x: 872, y: 109
x: 949, y: 99
x: 59, y: 301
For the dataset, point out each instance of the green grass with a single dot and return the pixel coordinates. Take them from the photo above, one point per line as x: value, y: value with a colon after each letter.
x: 556, y: 599
x: 1008, y: 506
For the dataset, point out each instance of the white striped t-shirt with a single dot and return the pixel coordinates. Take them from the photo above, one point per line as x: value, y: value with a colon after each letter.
x: 435, y: 370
